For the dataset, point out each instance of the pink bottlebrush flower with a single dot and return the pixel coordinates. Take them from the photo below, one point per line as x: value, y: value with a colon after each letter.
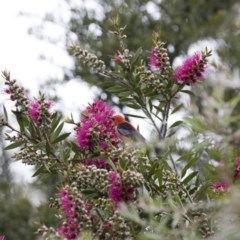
x: 192, y: 69
x: 118, y: 58
x: 115, y: 189
x: 2, y: 238
x: 65, y: 202
x: 159, y: 60
x: 113, y: 176
x: 99, y: 163
x: 237, y: 169
x: 117, y: 192
x: 76, y: 212
x: 219, y: 186
x: 154, y: 63
x: 96, y: 128
x: 70, y: 229
x: 84, y: 135
x: 34, y: 110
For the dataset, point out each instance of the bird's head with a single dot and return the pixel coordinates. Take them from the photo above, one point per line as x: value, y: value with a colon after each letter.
x: 118, y: 119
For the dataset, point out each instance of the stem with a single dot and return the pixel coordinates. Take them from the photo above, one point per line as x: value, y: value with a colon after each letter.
x: 163, y: 129
x: 20, y: 133
x: 187, y: 193
x: 99, y: 214
x: 174, y: 165
x: 33, y: 140
x: 151, y: 119
x: 51, y: 151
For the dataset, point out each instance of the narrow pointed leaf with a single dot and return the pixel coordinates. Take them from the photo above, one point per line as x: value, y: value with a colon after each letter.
x: 190, y: 177
x: 61, y: 137
x: 5, y: 113
x: 136, y: 56
x: 176, y: 109
x: 177, y: 123
x: 14, y: 145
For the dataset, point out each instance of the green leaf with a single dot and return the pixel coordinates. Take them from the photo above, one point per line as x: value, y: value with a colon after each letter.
x: 20, y: 119
x: 124, y: 94
x: 177, y: 108
x: 40, y: 170
x: 14, y: 145
x: 190, y: 177
x: 127, y: 99
x: 5, y: 113
x: 136, y: 57
x: 43, y: 169
x: 177, y: 123
x: 48, y: 148
x: 133, y: 105
x: 58, y: 130
x: 188, y: 167
x: 159, y: 108
x: 192, y: 190
x: 188, y: 92
x: 135, y: 116
x: 54, y: 135
x: 55, y: 121
x: 40, y: 145
x: 61, y: 137
x: 116, y: 89
x: 201, y: 192
x: 171, y: 133
x: 75, y: 148
x: 32, y: 129
x: 107, y: 84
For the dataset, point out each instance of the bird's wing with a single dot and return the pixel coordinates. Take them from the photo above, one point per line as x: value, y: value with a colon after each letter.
x: 127, y: 130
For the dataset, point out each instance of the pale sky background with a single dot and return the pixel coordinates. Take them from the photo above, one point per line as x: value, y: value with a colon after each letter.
x: 20, y: 51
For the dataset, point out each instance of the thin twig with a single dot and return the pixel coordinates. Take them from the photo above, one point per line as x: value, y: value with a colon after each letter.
x: 151, y: 119
x: 20, y: 133
x: 163, y: 129
x: 174, y: 166
x: 187, y: 193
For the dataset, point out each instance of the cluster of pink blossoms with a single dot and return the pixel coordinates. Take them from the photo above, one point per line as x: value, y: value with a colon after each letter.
x: 34, y: 110
x: 76, y: 213
x: 70, y: 228
x: 99, y: 163
x: 191, y: 70
x: 224, y: 185
x: 96, y: 127
x: 118, y: 58
x: 158, y: 60
x: 117, y: 192
x: 220, y: 186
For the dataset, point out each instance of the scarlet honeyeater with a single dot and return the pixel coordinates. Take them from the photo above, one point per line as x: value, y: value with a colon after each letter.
x: 126, y: 130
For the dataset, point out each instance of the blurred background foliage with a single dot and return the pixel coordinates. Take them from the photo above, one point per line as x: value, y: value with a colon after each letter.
x: 182, y: 24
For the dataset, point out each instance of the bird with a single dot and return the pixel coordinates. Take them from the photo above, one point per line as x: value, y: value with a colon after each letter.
x: 126, y: 131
